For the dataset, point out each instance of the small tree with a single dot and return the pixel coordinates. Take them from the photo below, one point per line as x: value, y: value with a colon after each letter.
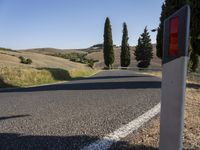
x: 125, y: 49
x: 108, y: 44
x: 144, y: 50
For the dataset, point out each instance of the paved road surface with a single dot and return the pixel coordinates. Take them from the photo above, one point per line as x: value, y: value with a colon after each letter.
x: 74, y: 114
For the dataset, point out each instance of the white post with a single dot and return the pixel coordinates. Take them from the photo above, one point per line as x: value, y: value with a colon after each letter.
x: 175, y: 55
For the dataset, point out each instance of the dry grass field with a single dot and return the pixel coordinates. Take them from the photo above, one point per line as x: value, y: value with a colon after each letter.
x: 49, y: 51
x: 44, y: 69
x: 97, y: 54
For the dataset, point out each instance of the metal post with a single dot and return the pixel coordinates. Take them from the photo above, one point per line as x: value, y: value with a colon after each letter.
x: 175, y: 56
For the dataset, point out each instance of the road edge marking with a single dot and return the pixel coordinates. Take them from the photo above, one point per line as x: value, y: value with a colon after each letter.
x: 106, y: 142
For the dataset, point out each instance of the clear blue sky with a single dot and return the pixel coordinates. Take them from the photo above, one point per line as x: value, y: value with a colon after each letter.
x: 73, y: 23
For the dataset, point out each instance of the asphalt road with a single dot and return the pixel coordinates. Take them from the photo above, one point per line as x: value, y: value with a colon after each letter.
x: 74, y: 114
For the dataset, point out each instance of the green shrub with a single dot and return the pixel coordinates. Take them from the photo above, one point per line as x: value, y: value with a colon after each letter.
x: 22, y: 59
x: 91, y: 62
x: 29, y: 61
x: 25, y: 60
x: 77, y: 57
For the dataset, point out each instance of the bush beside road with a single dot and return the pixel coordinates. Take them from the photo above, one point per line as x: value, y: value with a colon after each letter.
x: 22, y: 77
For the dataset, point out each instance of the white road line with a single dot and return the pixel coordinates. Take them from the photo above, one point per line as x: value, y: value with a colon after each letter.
x: 106, y: 142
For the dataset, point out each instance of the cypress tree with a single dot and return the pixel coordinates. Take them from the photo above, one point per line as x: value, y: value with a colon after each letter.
x: 108, y: 44
x: 125, y: 49
x: 144, y: 50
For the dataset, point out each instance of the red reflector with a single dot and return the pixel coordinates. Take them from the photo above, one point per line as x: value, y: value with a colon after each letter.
x: 173, y: 46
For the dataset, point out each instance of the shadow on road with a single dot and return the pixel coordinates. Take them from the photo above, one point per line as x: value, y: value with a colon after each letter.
x: 92, y: 86
x: 12, y: 117
x: 13, y: 141
x: 114, y: 77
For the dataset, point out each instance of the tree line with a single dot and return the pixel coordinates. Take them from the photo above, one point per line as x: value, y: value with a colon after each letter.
x: 143, y: 52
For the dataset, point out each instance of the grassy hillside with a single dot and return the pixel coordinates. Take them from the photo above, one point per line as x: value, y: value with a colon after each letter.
x: 97, y: 54
x: 44, y: 69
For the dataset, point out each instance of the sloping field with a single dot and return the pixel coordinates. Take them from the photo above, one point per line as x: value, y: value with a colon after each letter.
x: 44, y: 69
x: 97, y: 54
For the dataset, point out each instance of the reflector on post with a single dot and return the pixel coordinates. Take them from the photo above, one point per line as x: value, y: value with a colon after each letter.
x: 173, y: 47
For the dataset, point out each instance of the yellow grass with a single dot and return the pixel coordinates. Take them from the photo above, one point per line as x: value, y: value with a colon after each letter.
x: 44, y: 69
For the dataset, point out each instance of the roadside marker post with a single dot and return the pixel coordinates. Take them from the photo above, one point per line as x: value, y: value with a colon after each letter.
x: 175, y: 57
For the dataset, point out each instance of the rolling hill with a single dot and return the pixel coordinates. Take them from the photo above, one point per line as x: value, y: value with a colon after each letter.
x: 44, y: 69
x: 96, y: 53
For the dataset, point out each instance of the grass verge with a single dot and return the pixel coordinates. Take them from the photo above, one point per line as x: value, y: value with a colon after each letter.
x: 23, y: 77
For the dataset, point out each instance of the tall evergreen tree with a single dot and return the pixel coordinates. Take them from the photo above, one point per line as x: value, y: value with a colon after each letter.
x: 125, y: 49
x: 108, y: 44
x: 144, y: 50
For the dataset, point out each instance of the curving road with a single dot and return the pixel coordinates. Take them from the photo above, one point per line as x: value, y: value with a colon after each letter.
x: 74, y: 114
